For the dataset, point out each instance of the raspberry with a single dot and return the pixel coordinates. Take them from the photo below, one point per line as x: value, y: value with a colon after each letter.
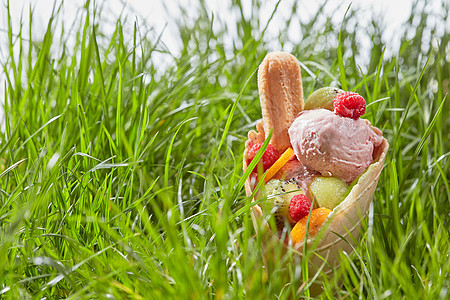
x: 349, y: 104
x: 299, y: 207
x: 269, y: 157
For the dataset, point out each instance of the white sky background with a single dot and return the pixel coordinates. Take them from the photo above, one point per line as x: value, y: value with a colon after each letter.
x: 155, y: 14
x: 393, y: 12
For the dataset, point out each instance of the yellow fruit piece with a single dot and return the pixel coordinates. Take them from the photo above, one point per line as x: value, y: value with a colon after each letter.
x: 318, y: 216
x: 284, y: 158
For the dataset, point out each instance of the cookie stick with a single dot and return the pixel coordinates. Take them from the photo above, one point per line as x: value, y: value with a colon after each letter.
x: 281, y: 95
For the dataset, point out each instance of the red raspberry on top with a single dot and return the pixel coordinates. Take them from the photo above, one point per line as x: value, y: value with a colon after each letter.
x: 299, y: 207
x: 349, y: 104
x: 269, y: 157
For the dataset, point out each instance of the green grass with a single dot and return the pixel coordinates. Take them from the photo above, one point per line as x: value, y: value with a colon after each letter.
x: 122, y: 179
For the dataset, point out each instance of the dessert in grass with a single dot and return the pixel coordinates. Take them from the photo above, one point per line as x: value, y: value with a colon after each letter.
x: 321, y: 166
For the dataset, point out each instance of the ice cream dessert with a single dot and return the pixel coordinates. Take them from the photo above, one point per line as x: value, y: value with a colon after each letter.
x: 320, y: 166
x: 333, y: 145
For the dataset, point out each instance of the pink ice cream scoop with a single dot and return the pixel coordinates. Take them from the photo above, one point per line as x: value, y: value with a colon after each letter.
x: 333, y: 145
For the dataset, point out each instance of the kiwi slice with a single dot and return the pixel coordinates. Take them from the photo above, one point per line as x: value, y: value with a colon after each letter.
x: 279, y: 194
x: 322, y: 98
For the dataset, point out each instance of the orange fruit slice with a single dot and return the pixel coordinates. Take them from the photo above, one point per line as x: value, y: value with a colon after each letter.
x: 284, y: 158
x: 318, y: 216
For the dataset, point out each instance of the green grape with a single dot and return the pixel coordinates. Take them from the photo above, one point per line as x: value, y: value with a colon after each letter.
x: 328, y: 191
x: 322, y: 98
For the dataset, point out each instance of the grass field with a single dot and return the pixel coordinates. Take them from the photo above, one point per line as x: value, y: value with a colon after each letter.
x: 122, y: 180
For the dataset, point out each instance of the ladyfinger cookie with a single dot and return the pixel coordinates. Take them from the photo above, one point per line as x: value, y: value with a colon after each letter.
x: 281, y: 95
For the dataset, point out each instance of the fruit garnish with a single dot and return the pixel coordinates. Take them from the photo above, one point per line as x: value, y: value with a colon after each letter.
x: 299, y: 207
x: 328, y: 191
x: 284, y: 158
x: 279, y: 194
x: 269, y: 157
x: 350, y: 105
x: 318, y: 216
x: 322, y: 98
